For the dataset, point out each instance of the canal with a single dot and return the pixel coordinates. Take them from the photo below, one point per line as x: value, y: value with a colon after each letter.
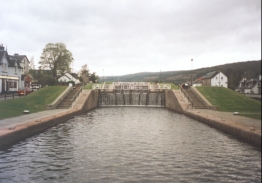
x: 130, y: 144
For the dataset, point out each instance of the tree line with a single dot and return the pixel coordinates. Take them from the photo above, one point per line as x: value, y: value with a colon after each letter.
x: 54, y: 62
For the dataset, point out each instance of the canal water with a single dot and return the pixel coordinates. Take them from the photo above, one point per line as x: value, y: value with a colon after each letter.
x: 130, y: 144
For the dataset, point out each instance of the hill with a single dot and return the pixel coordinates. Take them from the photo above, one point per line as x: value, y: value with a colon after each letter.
x: 234, y: 71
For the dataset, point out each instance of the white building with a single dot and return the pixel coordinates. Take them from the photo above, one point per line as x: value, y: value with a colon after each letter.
x: 215, y: 78
x: 68, y: 77
x: 12, y: 71
x: 251, y: 86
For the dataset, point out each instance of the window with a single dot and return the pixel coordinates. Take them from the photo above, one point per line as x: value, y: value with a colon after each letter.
x: 5, y: 67
x: 216, y: 78
x: 221, y: 77
x: 12, y: 84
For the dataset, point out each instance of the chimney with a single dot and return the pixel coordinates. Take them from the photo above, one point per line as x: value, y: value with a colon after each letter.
x: 16, y: 54
x: 2, y: 47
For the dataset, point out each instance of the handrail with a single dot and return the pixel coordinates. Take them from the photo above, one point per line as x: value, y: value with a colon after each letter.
x: 131, y: 86
x: 188, y: 97
x: 77, y: 93
x: 59, y: 98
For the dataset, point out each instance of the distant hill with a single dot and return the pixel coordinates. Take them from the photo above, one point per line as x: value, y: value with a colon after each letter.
x: 234, y: 71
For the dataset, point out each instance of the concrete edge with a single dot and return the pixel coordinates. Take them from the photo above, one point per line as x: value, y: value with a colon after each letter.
x: 20, y: 132
x: 11, y: 135
x: 88, y: 101
x: 242, y: 134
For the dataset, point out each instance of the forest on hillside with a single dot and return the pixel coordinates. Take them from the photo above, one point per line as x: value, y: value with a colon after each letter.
x: 234, y: 71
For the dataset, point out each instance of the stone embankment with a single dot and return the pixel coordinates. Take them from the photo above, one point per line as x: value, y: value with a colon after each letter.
x: 15, y: 129
x: 245, y: 129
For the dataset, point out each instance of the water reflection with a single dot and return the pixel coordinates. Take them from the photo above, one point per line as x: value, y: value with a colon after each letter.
x: 130, y: 145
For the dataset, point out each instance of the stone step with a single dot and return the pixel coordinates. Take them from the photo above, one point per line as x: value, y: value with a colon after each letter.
x: 197, y: 103
x: 66, y: 103
x: 63, y: 107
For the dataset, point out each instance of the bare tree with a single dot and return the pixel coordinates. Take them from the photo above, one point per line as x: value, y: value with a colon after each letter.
x: 32, y: 63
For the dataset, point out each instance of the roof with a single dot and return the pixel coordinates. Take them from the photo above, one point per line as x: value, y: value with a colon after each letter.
x: 12, y: 62
x: 74, y: 75
x: 70, y: 76
x: 65, y: 76
x: 210, y: 75
x: 19, y: 57
x: 2, y: 53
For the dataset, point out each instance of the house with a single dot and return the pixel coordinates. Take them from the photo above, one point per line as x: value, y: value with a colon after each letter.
x: 197, y: 82
x: 69, y: 77
x: 215, y: 78
x: 251, y: 86
x: 23, y: 62
x: 12, y: 70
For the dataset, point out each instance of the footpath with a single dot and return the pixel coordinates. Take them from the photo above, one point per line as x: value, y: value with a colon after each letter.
x: 246, y: 129
x: 17, y: 128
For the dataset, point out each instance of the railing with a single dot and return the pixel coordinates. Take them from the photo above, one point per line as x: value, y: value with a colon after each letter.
x: 77, y: 93
x: 102, y: 86
x: 60, y: 98
x: 164, y: 86
x: 131, y: 86
x: 11, y: 95
x: 186, y: 95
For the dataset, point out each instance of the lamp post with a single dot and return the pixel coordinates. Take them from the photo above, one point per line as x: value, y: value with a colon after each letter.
x: 191, y: 69
x: 160, y: 76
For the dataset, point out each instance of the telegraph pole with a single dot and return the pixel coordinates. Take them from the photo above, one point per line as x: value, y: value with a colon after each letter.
x: 191, y: 70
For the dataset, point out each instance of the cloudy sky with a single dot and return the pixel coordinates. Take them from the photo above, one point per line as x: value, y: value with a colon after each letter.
x: 118, y: 37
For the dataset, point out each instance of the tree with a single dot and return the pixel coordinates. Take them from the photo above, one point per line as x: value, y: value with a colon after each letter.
x: 84, y: 70
x: 32, y: 64
x: 84, y: 74
x: 47, y: 80
x: 56, y: 57
x: 93, y: 77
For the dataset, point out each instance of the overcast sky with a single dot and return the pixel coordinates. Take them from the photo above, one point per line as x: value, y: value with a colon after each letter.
x: 118, y: 37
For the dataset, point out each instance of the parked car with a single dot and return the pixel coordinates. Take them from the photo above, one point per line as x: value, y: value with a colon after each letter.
x: 24, y: 91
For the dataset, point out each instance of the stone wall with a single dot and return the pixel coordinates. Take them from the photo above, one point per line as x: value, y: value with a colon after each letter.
x: 241, y: 134
x: 86, y: 102
x: 171, y: 102
x: 92, y: 100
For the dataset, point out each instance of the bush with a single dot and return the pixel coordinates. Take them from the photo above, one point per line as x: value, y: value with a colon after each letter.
x: 47, y: 80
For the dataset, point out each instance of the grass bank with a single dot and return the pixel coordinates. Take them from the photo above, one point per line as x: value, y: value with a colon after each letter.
x: 230, y: 101
x: 35, y: 102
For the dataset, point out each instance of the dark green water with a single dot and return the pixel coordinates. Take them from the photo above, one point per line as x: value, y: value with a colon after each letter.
x: 130, y: 144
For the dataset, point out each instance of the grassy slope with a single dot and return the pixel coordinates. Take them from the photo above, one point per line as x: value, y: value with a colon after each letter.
x: 231, y: 101
x: 35, y: 102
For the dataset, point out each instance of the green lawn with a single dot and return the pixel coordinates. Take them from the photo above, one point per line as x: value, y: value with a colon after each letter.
x: 173, y: 86
x: 88, y: 87
x: 231, y: 101
x: 34, y: 102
